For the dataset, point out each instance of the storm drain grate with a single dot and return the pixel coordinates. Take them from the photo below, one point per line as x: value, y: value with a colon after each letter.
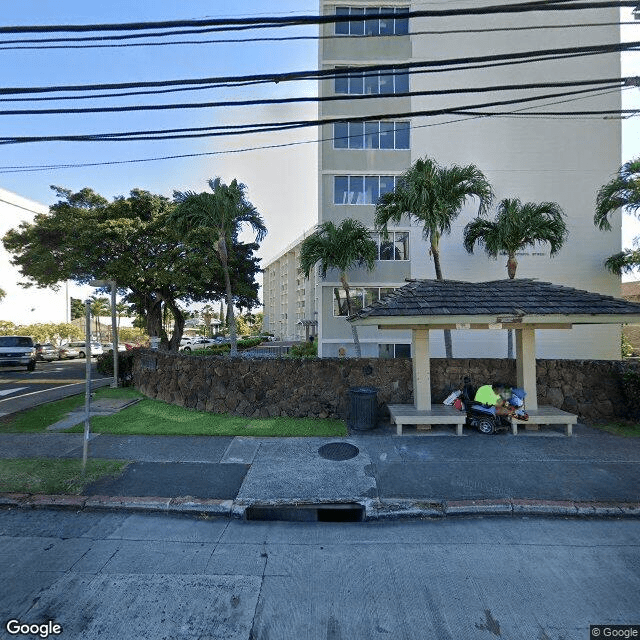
x: 338, y: 451
x: 327, y: 512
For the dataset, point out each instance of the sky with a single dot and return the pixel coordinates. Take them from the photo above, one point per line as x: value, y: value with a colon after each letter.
x: 281, y: 183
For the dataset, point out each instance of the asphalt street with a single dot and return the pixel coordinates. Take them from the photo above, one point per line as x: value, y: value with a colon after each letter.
x: 140, y: 576
x: 21, y: 389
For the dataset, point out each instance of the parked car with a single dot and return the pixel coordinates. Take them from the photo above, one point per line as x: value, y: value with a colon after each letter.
x: 195, y: 343
x: 107, y: 347
x: 46, y: 351
x: 16, y: 351
x: 66, y: 352
x: 96, y: 348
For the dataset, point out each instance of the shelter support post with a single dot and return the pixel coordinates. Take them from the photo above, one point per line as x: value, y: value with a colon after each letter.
x: 421, y: 369
x: 526, y: 365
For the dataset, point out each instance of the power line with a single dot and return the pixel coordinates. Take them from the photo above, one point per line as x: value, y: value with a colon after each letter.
x: 319, y: 74
x: 35, y: 168
x: 333, y: 98
x: 241, y: 129
x: 279, y: 21
x: 48, y: 43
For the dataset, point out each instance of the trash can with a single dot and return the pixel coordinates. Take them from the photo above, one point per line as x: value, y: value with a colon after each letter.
x: 364, y: 408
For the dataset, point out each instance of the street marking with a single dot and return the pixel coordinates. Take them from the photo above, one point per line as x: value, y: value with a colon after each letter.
x: 33, y: 393
x: 6, y: 392
x: 44, y: 381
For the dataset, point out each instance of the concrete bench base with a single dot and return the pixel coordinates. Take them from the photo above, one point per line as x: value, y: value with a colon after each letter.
x: 545, y: 415
x: 402, y: 414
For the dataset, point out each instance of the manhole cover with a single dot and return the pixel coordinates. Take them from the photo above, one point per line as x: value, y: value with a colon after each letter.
x: 338, y: 451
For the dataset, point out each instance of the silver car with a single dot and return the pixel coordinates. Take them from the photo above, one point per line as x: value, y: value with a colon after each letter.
x: 80, y: 347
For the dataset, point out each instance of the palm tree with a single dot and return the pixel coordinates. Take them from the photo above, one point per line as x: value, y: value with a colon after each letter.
x: 221, y: 214
x: 517, y: 226
x: 100, y: 306
x: 341, y: 247
x: 433, y: 196
x: 621, y: 192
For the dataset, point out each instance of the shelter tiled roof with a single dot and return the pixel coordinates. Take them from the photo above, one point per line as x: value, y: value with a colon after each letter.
x: 519, y: 297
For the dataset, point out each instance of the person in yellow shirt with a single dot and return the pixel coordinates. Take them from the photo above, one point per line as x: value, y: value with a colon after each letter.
x: 489, y: 395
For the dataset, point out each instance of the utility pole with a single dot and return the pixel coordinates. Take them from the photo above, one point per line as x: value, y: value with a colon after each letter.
x: 87, y: 387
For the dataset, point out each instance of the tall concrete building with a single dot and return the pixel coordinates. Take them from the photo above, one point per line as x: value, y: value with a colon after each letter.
x: 531, y: 157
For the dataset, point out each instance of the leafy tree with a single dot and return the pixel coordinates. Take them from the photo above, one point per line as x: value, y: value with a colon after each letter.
x: 218, y: 216
x: 341, y: 247
x: 515, y: 227
x: 85, y: 237
x: 77, y: 308
x: 433, y: 196
x: 3, y: 294
x: 7, y: 328
x: 623, y: 192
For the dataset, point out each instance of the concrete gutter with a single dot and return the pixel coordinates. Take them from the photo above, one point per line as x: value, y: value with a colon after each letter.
x: 374, y: 510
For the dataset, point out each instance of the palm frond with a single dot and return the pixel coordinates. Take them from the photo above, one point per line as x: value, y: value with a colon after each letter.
x: 517, y: 226
x: 624, y: 262
x: 341, y: 247
x: 623, y: 192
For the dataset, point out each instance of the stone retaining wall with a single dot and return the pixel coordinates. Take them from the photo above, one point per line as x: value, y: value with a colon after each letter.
x: 320, y: 388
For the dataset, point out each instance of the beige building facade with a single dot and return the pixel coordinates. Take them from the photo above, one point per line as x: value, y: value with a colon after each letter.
x: 33, y: 305
x: 530, y: 157
x: 290, y: 311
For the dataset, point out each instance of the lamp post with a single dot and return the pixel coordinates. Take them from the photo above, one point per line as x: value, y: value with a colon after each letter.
x: 114, y: 328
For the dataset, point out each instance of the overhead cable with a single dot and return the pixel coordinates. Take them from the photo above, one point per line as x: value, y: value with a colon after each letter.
x: 35, y: 44
x: 240, y: 129
x: 280, y: 21
x: 334, y: 98
x: 342, y: 72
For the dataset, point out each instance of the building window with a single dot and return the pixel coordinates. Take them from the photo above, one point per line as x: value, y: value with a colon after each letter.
x: 360, y: 297
x: 386, y: 81
x: 388, y: 351
x: 372, y: 25
x: 394, y: 247
x: 360, y: 190
x: 377, y: 134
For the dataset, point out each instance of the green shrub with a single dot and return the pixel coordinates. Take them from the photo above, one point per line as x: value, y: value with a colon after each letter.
x: 125, y: 366
x: 304, y: 350
x: 627, y: 347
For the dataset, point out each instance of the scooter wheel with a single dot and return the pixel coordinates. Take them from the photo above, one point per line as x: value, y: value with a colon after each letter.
x: 486, y: 426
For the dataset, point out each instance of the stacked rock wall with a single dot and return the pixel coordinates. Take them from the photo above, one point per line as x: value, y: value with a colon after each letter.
x: 319, y: 388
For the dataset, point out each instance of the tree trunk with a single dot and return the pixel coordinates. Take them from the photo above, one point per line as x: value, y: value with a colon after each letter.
x: 154, y: 319
x: 178, y: 325
x: 512, y: 266
x: 435, y: 252
x: 222, y: 252
x: 354, y: 329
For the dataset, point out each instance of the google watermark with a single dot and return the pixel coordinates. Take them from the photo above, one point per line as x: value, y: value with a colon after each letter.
x: 598, y: 631
x: 41, y: 629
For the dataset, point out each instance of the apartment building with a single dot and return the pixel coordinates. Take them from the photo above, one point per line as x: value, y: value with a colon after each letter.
x: 524, y: 154
x: 289, y: 298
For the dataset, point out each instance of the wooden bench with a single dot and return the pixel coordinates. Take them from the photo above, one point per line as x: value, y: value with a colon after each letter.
x: 402, y: 414
x: 545, y: 415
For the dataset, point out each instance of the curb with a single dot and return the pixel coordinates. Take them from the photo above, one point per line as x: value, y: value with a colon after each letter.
x: 375, y: 510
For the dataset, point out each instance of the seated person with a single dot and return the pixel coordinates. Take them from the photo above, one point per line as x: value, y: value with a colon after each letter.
x: 489, y: 395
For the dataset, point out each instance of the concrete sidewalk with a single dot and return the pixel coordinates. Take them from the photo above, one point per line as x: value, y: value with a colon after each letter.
x: 375, y: 474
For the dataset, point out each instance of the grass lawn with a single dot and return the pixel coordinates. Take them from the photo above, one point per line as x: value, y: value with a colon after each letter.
x: 43, y: 475
x: 627, y: 429
x: 152, y: 417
